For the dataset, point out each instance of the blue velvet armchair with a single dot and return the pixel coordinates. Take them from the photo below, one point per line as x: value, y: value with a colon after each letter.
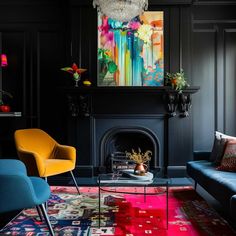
x: 18, y: 191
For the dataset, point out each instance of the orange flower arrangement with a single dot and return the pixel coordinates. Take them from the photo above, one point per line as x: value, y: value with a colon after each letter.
x: 177, y: 80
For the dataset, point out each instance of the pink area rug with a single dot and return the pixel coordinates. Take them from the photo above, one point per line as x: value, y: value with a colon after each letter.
x: 122, y: 214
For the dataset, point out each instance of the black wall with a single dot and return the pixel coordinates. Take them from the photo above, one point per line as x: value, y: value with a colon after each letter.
x: 40, y: 37
x: 213, y: 58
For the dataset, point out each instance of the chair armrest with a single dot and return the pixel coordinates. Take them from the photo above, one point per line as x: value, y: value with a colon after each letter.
x: 65, y: 152
x: 16, y: 192
x: 201, y: 155
x: 12, y: 166
x: 34, y: 163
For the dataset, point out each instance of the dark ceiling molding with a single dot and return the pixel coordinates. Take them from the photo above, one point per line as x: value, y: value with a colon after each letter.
x: 151, y: 2
x: 213, y: 3
x: 170, y: 2
x: 31, y: 3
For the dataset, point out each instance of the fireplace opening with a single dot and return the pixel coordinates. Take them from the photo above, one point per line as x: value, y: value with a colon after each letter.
x: 117, y: 141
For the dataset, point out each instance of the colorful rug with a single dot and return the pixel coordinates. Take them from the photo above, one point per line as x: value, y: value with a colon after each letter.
x: 122, y: 214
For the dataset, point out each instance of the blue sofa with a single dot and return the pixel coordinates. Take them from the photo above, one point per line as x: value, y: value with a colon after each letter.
x: 220, y: 184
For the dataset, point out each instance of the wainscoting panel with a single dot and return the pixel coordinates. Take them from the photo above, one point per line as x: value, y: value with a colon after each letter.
x: 13, y: 44
x: 213, y: 63
x: 230, y: 81
x: 49, y: 77
x: 204, y: 74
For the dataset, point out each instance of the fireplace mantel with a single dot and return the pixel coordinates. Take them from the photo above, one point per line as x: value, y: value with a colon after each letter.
x: 93, y: 111
x: 80, y: 98
x: 127, y: 89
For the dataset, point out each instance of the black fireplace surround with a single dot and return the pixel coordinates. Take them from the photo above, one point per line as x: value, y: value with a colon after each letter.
x: 123, y: 133
x: 104, y: 121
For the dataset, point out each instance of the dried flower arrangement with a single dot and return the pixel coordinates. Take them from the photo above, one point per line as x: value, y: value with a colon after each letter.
x: 139, y: 157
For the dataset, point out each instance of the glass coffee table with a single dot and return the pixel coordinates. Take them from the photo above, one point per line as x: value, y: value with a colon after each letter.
x: 105, y: 181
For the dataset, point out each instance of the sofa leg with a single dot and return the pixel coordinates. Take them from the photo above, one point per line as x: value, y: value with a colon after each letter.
x: 195, y: 185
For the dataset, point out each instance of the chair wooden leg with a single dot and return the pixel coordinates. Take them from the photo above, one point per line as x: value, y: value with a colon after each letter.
x: 45, y: 215
x: 39, y: 213
x: 72, y: 175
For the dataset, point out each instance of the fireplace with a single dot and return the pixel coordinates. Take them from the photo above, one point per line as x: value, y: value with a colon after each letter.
x: 119, y: 140
x: 118, y: 134
x: 100, y: 117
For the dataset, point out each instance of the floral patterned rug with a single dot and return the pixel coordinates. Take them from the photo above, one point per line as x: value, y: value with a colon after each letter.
x: 122, y: 214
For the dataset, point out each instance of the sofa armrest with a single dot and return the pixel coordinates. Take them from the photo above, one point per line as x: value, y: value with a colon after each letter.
x: 201, y: 155
x: 233, y: 208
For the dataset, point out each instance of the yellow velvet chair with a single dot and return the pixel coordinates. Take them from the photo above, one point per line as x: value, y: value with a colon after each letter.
x: 42, y: 155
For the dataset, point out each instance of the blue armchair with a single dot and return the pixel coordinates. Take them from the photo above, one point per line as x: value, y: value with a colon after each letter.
x: 18, y: 191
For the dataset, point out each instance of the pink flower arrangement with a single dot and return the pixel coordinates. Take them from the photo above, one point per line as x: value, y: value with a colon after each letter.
x: 134, y: 25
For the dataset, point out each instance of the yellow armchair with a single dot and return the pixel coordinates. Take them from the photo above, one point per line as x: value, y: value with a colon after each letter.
x: 42, y: 155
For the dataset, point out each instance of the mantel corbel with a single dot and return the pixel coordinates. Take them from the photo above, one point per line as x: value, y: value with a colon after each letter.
x: 179, y: 102
x: 79, y: 105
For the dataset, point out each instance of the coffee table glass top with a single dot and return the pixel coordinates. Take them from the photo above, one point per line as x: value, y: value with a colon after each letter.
x: 152, y: 178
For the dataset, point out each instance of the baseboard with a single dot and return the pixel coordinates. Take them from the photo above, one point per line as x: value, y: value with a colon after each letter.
x: 176, y: 171
x: 84, y: 171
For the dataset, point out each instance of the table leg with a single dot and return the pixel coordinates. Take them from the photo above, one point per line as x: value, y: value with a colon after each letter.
x: 167, y: 205
x: 99, y: 204
x: 145, y: 192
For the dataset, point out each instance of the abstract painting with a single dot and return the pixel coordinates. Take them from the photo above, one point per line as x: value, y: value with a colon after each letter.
x: 131, y: 53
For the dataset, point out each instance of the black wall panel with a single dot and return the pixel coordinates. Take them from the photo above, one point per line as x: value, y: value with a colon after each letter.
x: 230, y: 80
x: 203, y: 74
x: 33, y: 36
x: 13, y: 76
x: 50, y: 103
x: 213, y: 60
x: 84, y: 39
x: 40, y: 37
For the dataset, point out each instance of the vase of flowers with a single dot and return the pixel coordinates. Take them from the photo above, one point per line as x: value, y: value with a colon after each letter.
x: 5, y: 107
x: 140, y: 159
x: 176, y: 80
x: 76, y: 72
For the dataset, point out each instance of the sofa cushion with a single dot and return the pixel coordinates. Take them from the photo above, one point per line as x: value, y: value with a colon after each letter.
x: 228, y: 162
x: 220, y: 184
x: 218, y: 149
x: 224, y: 135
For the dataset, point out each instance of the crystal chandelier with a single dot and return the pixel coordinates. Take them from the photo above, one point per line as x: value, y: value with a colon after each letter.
x: 121, y: 10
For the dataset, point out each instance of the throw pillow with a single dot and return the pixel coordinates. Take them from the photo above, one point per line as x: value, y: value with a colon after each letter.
x: 219, y: 134
x: 228, y: 162
x: 218, y: 149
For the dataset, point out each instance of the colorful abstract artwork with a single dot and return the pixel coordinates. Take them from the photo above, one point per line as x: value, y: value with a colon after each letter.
x: 131, y: 53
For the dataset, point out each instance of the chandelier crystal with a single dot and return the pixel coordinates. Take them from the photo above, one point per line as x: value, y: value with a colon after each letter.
x: 121, y: 10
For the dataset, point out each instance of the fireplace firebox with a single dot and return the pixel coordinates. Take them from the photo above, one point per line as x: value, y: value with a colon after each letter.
x: 120, y: 134
x: 119, y: 140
